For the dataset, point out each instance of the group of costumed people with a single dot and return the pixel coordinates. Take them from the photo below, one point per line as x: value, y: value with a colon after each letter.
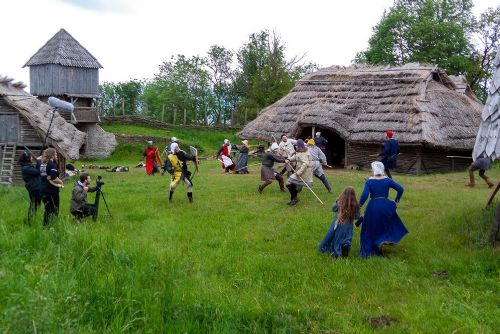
x: 227, y: 162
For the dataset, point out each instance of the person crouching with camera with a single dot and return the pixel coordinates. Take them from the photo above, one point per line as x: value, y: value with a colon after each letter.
x: 79, y: 207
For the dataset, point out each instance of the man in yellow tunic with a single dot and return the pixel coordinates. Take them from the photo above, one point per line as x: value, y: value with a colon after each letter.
x: 178, y: 168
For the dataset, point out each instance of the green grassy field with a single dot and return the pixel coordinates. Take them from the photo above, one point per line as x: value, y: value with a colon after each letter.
x: 235, y: 261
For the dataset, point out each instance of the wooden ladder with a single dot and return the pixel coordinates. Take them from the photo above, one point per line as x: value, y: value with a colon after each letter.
x: 8, y: 151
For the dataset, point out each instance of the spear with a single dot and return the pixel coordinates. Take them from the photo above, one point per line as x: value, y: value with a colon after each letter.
x: 301, y: 179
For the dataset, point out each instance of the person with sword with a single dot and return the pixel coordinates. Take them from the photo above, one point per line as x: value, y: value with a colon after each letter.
x: 302, y: 173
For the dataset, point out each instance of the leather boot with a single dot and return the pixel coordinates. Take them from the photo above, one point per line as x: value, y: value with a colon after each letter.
x: 489, y: 182
x: 471, y: 183
x: 190, y: 197
x: 170, y: 196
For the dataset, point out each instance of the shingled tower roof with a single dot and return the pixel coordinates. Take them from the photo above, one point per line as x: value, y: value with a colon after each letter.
x: 63, y: 49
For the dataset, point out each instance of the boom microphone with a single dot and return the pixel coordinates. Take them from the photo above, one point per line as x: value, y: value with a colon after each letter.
x: 60, y: 104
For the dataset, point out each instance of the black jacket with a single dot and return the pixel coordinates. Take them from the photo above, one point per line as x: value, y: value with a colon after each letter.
x: 31, y: 177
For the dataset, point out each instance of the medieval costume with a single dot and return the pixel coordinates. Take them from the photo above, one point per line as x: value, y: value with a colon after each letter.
x: 242, y: 161
x: 389, y: 154
x: 267, y: 173
x: 381, y: 223
x: 224, y: 156
x: 318, y: 159
x: 150, y: 155
x: 177, y: 163
x: 286, y: 149
x: 482, y: 164
x: 320, y: 141
x: 31, y: 177
x: 302, y: 175
x: 173, y: 141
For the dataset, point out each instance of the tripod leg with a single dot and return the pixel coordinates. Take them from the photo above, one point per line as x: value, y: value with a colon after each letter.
x: 105, y: 203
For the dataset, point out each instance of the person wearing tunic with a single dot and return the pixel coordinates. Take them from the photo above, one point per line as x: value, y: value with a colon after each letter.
x: 389, y: 153
x: 338, y: 238
x: 178, y: 162
x: 49, y: 184
x: 482, y: 164
x: 286, y: 149
x: 150, y: 155
x: 302, y: 172
x: 381, y: 223
x: 224, y: 156
x: 173, y: 141
x: 318, y: 160
x: 320, y: 141
x: 31, y: 177
x: 267, y: 173
x: 241, y: 163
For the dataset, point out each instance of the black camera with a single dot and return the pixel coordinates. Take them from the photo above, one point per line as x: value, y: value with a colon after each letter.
x: 99, y: 182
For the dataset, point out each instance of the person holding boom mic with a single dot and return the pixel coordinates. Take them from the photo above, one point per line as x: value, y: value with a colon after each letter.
x: 50, y: 184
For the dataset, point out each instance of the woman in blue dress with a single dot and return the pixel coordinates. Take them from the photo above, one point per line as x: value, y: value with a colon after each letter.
x: 338, y: 239
x: 381, y: 223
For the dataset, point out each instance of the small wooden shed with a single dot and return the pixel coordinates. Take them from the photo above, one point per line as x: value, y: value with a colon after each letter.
x: 25, y: 121
x: 432, y: 115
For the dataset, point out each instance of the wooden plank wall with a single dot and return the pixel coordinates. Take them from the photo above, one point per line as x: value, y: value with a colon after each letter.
x: 413, y: 159
x: 364, y: 154
x: 52, y: 79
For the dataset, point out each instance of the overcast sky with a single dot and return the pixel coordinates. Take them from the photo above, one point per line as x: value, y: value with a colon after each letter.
x: 131, y: 38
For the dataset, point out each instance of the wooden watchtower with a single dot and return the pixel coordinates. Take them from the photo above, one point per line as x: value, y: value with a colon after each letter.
x: 65, y: 69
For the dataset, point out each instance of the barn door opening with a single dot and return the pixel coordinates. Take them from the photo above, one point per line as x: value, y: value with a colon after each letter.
x: 335, y: 148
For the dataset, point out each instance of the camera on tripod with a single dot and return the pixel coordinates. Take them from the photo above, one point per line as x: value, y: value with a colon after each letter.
x: 99, y: 183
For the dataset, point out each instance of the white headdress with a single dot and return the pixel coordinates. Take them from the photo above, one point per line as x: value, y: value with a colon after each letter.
x: 173, y: 139
x: 274, y: 146
x: 226, y: 141
x: 173, y: 147
x: 378, y: 168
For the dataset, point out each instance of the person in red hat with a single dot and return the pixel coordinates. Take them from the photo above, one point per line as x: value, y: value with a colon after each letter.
x: 389, y: 154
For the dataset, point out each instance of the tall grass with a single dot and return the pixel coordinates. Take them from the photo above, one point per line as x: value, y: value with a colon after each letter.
x: 236, y: 261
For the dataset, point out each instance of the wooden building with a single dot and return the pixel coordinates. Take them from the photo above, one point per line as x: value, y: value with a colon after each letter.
x: 433, y: 117
x: 63, y: 68
x: 27, y: 122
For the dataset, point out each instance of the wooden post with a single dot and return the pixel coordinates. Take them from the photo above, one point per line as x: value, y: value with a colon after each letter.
x: 162, y: 112
x: 246, y: 115
x: 114, y: 105
x: 123, y: 107
x: 312, y: 131
x: 175, y: 116
x: 185, y: 113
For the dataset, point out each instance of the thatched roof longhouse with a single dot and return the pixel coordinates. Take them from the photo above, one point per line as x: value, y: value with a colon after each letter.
x: 419, y: 102
x: 62, y: 135
x: 488, y: 136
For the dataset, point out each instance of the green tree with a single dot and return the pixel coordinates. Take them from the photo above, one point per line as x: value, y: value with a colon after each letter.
x: 439, y: 32
x: 182, y: 89
x: 123, y: 98
x: 263, y: 74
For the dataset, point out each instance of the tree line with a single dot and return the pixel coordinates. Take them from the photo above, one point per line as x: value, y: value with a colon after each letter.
x: 223, y: 87
x: 229, y: 87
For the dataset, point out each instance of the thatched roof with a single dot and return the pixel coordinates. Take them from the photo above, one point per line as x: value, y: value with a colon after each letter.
x: 62, y: 135
x: 488, y: 136
x: 419, y: 102
x: 63, y: 49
